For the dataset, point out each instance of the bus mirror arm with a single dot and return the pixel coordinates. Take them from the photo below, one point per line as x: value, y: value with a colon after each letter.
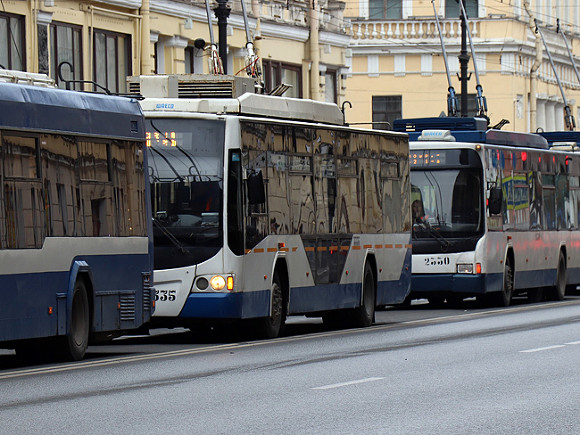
x: 256, y: 190
x: 495, y: 200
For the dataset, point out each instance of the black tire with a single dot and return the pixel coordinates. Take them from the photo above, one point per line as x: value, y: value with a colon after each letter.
x: 364, y: 315
x: 270, y: 327
x: 559, y: 290
x: 504, y: 297
x: 74, y: 345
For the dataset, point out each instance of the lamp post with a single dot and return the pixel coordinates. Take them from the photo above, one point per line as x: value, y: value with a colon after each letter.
x: 222, y: 12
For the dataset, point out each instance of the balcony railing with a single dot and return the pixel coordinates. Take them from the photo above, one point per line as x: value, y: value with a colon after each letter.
x: 409, y: 29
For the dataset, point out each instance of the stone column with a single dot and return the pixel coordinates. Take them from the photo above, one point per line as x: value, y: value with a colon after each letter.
x: 43, y: 19
x: 176, y: 54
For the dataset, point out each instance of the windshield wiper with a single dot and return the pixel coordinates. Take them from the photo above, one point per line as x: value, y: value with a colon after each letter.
x: 172, y: 238
x: 434, y: 233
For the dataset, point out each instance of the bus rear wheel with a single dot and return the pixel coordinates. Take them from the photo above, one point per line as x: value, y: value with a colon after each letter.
x: 559, y: 291
x: 74, y: 345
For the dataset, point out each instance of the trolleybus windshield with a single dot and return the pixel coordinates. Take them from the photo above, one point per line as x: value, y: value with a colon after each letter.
x: 447, y: 202
x: 186, y: 174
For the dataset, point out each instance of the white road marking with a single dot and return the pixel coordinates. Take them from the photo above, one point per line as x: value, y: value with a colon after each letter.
x: 572, y: 343
x: 539, y: 349
x: 344, y: 384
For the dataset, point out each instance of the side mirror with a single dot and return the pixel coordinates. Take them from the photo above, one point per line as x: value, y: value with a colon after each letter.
x: 256, y: 191
x: 495, y: 200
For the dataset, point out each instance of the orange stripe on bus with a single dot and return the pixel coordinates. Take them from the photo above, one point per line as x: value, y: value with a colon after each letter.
x: 398, y: 246
x: 333, y: 248
x: 388, y: 246
x: 344, y: 248
x: 367, y: 246
x: 408, y: 246
x: 309, y: 249
x: 259, y: 250
x: 378, y: 246
x: 272, y: 249
x: 284, y: 249
x: 294, y: 249
x: 248, y: 251
x: 356, y: 248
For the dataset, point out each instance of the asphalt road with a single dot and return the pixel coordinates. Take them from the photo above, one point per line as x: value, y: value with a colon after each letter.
x: 418, y: 371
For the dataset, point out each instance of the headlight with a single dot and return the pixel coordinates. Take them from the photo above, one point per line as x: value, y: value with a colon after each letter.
x: 465, y: 268
x: 217, y: 282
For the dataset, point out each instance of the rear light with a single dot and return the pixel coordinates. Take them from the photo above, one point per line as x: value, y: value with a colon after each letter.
x: 478, y: 268
x: 230, y: 283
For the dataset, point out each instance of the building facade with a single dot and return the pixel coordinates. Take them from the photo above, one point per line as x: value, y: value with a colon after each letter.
x: 299, y: 43
x: 397, y: 67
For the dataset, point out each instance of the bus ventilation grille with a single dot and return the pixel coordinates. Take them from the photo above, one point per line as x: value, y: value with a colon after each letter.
x: 134, y: 88
x: 127, y: 308
x: 205, y: 90
x: 147, y: 299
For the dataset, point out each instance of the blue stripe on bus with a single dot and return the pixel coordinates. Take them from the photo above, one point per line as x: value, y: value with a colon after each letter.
x: 302, y: 300
x: 478, y: 284
x: 227, y: 305
x: 26, y: 298
x: 425, y: 284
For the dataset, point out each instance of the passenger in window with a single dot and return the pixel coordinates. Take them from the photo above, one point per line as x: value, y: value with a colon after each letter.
x: 418, y: 212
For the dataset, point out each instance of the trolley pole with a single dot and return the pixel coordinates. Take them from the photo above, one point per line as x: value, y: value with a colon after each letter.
x: 463, y: 61
x: 222, y: 13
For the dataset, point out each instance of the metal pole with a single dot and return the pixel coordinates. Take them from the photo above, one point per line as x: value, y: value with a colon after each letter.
x: 222, y: 12
x: 463, y: 62
x: 480, y: 99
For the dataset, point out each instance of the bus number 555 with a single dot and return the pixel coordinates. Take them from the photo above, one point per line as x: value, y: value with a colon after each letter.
x: 165, y: 295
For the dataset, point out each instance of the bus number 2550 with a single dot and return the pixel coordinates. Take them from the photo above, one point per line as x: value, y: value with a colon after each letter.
x: 436, y: 261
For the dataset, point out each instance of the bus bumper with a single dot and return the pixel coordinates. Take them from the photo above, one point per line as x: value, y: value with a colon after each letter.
x: 226, y: 305
x: 423, y: 285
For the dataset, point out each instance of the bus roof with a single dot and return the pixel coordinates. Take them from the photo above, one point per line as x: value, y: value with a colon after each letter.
x: 253, y: 105
x: 473, y: 130
x: 55, y: 110
x: 558, y: 137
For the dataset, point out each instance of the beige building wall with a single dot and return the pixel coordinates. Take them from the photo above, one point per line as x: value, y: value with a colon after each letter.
x: 403, y: 58
x: 160, y: 35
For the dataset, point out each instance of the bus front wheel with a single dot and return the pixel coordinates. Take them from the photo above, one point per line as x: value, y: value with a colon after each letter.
x: 364, y: 315
x: 504, y: 297
x: 269, y: 327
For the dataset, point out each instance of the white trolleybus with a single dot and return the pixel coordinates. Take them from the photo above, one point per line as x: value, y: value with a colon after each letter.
x: 76, y: 259
x: 266, y: 206
x: 494, y: 213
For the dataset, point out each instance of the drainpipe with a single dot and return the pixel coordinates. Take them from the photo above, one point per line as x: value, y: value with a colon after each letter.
x: 534, y: 69
x: 146, y: 66
x: 314, y: 52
